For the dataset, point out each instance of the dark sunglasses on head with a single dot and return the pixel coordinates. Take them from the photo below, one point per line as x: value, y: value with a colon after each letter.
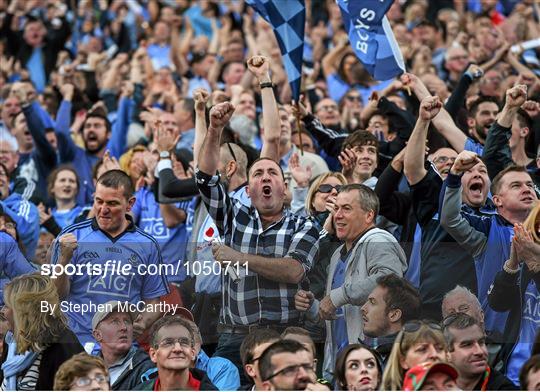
x: 327, y: 188
x: 413, y: 326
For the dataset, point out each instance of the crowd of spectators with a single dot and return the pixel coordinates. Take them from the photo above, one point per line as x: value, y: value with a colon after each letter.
x: 170, y: 219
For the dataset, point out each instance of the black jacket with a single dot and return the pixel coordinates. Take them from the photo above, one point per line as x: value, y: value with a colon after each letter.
x: 497, y: 382
x: 53, y: 356
x: 507, y: 294
x: 206, y: 384
x: 131, y: 376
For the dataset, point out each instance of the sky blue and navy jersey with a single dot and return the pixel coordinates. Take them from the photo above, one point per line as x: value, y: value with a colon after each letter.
x: 13, y: 263
x: 131, y: 253
x: 172, y: 241
x: 66, y: 217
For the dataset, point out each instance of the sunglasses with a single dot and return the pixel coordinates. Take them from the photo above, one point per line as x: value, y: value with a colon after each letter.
x: 327, y: 188
x: 414, y: 326
x: 353, y: 98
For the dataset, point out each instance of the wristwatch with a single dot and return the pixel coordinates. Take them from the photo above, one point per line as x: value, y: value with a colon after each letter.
x: 164, y: 155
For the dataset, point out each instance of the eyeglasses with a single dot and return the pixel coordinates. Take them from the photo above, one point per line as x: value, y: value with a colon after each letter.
x: 292, y: 371
x: 327, y: 188
x: 83, y: 382
x: 353, y: 98
x: 444, y: 159
x: 168, y: 343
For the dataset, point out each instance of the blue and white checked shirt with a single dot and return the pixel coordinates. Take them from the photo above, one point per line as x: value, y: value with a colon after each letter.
x: 254, y: 299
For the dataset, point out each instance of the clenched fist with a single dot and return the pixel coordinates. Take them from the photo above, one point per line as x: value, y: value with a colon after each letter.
x: 466, y: 160
x: 430, y: 107
x: 68, y: 244
x: 259, y: 66
x: 221, y: 114
x: 516, y: 96
x: 200, y: 96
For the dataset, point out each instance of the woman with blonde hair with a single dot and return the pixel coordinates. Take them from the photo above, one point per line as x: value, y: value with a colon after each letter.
x: 417, y: 342
x: 514, y: 289
x: 37, y: 342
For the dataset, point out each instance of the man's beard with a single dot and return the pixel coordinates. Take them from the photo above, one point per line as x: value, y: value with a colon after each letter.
x: 97, y: 149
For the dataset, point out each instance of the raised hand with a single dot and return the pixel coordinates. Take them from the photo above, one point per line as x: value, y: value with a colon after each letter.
x: 259, y: 66
x: 527, y: 249
x: 430, y: 107
x: 44, y: 213
x: 347, y: 158
x: 67, y: 91
x: 516, y: 96
x: 301, y: 174
x: 68, y: 244
x: 220, y: 115
x: 466, y: 160
x: 165, y: 140
x: 201, y: 97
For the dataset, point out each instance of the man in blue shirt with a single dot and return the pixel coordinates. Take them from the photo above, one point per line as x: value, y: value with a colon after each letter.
x: 115, y: 259
x: 12, y: 261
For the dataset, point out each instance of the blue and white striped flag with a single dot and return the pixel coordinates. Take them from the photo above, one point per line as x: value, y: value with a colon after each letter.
x: 371, y: 37
x: 287, y: 18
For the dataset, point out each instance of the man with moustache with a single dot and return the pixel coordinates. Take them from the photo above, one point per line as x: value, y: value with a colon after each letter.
x: 466, y: 341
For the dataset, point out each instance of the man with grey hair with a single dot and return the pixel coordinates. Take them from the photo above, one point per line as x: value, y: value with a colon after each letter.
x: 12, y: 192
x: 462, y: 300
x: 367, y: 254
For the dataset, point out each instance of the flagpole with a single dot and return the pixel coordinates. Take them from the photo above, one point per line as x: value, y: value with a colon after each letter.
x: 298, y: 126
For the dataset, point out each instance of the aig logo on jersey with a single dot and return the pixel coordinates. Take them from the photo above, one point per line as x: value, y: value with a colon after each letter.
x: 156, y: 228
x: 116, y: 280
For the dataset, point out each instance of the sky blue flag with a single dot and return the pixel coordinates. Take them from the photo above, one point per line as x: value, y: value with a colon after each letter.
x: 287, y: 18
x: 371, y: 37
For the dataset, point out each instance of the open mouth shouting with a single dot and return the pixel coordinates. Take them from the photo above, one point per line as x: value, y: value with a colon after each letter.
x: 267, y: 191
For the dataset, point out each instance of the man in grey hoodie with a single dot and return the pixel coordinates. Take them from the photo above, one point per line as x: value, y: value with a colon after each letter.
x: 367, y: 254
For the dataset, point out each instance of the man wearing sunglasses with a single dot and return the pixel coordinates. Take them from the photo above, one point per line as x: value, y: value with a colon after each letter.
x: 288, y: 365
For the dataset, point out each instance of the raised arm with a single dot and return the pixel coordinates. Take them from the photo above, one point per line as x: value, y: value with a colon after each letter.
x: 201, y: 97
x: 452, y: 220
x: 497, y: 154
x: 220, y: 115
x: 443, y: 121
x: 259, y: 66
x: 414, y: 154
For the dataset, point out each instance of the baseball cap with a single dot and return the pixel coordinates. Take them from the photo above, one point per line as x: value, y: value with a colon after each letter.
x: 182, y: 312
x: 108, y: 308
x: 415, y: 376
